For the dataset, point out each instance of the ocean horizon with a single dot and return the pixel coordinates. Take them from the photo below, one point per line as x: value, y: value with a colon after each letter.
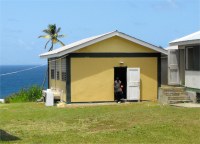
x: 16, y: 77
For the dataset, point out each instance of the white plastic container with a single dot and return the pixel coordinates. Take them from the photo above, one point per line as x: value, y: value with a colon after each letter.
x: 49, y: 98
x: 2, y: 100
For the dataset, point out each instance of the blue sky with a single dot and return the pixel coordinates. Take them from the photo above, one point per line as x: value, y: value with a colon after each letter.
x: 154, y: 21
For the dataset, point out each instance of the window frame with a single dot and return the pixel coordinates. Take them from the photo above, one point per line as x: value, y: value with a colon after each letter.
x: 193, y: 59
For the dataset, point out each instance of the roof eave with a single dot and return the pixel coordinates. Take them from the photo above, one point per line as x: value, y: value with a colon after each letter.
x: 140, y: 42
x: 109, y: 35
x: 188, y: 42
x: 46, y: 55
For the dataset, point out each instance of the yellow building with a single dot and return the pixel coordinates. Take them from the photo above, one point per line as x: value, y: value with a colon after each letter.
x: 85, y: 70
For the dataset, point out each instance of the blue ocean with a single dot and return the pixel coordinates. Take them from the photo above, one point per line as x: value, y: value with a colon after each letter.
x: 13, y: 78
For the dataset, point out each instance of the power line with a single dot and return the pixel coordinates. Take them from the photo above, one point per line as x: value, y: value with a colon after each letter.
x: 10, y: 73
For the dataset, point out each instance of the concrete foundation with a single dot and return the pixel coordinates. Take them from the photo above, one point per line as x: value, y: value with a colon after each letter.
x: 193, y: 96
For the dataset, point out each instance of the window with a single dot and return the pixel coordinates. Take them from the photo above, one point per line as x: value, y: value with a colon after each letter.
x: 57, y: 69
x: 193, y: 58
x: 53, y: 67
x: 52, y: 74
x: 63, y: 69
x: 57, y: 75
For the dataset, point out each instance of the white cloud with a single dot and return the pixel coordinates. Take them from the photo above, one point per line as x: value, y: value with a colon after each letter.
x: 165, y: 5
x: 172, y: 3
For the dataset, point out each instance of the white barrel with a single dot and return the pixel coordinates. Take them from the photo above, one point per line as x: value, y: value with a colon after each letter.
x: 49, y: 98
x: 2, y: 101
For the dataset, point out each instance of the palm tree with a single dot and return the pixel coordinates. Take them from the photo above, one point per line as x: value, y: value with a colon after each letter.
x: 52, y: 36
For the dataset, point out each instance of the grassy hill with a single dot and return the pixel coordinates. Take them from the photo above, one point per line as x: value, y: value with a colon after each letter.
x: 121, y: 123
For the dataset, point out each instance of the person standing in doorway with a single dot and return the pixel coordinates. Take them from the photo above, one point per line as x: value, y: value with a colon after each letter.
x: 118, y: 89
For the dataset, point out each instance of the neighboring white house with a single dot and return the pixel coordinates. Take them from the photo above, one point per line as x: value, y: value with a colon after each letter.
x: 184, y: 62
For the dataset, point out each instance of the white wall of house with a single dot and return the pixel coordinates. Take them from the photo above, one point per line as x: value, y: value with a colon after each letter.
x: 192, y: 79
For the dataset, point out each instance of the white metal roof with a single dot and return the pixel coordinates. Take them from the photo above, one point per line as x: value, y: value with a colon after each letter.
x: 91, y: 40
x: 193, y: 38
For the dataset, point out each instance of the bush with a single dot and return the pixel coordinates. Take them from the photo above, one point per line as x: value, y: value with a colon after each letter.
x: 25, y: 95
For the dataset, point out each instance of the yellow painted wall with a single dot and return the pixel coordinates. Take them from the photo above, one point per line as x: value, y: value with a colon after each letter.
x: 58, y: 84
x: 92, y: 79
x: 115, y: 44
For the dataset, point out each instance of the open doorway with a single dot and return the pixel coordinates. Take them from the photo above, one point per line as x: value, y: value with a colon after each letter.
x: 121, y: 73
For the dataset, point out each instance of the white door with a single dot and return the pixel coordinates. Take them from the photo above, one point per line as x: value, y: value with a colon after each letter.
x: 133, y: 83
x: 173, y: 68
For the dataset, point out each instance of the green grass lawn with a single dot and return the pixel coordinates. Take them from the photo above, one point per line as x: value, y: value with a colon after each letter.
x: 121, y: 123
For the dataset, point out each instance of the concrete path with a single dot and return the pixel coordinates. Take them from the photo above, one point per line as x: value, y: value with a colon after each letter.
x: 187, y: 105
x: 64, y: 105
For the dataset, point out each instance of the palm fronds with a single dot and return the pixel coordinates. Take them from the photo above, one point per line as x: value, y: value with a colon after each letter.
x: 52, y: 34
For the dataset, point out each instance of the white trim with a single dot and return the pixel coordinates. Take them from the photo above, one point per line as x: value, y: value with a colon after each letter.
x: 186, y: 57
x: 185, y: 42
x: 171, y: 47
x: 89, y: 41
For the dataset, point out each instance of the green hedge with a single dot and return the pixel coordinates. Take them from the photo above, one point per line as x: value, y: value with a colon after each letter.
x: 25, y: 95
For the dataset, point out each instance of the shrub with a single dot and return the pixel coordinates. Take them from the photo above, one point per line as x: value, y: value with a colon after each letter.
x: 25, y: 95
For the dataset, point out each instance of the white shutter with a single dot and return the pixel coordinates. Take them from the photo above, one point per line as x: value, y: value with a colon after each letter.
x: 53, y: 64
x: 173, y: 67
x: 133, y: 83
x: 63, y: 69
x: 57, y: 65
x: 52, y: 70
x: 63, y: 64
